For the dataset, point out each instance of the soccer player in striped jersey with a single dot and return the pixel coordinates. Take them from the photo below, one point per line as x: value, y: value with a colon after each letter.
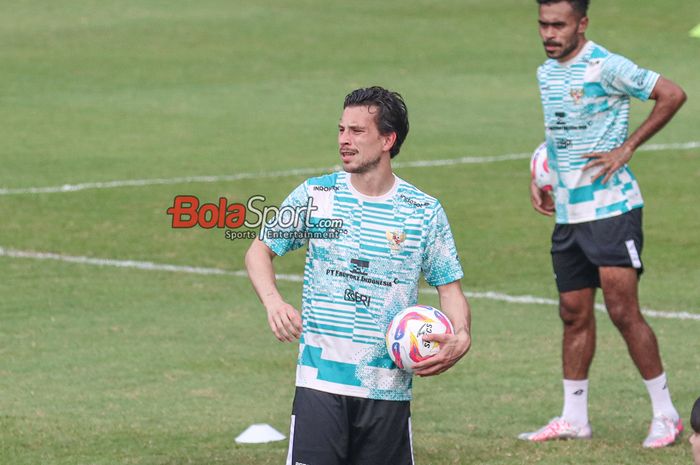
x: 597, y: 239
x: 372, y: 236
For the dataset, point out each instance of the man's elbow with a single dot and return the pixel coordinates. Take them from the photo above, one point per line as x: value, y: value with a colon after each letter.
x: 679, y: 96
x: 683, y: 96
x: 250, y: 255
x: 676, y: 96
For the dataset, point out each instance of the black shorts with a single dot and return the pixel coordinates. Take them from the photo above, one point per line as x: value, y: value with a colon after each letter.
x: 331, y: 429
x: 579, y: 249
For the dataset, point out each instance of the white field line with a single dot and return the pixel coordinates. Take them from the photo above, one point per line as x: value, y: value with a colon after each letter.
x: 65, y: 188
x: 528, y: 299
x: 139, y: 265
x: 150, y: 266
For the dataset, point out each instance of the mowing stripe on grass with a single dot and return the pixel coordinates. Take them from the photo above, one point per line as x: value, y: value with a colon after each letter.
x: 66, y: 188
x: 151, y: 266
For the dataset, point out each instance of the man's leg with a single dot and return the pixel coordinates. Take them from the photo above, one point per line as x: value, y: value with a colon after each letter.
x: 621, y: 299
x: 578, y: 345
x: 577, y: 279
x: 620, y: 292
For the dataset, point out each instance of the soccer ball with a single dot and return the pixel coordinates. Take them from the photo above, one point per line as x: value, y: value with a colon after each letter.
x: 404, y: 337
x: 539, y: 168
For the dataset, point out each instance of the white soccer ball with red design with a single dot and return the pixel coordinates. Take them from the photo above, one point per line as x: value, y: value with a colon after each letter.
x: 404, y: 337
x: 539, y: 168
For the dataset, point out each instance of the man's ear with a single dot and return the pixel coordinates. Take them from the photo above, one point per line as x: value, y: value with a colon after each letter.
x: 583, y: 25
x: 389, y: 141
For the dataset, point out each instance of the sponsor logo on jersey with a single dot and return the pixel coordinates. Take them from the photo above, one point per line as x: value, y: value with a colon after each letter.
x: 413, y: 202
x: 352, y: 295
x: 359, y: 266
x: 361, y: 278
x: 564, y: 143
x: 326, y: 188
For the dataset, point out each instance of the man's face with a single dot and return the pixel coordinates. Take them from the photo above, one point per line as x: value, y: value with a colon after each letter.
x: 561, y: 29
x: 360, y: 144
x: 695, y: 443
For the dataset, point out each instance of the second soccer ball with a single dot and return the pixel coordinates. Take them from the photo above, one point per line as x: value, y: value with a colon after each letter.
x: 539, y: 168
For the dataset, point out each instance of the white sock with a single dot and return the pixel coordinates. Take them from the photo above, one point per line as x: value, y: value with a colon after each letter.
x: 661, y: 397
x: 576, y: 402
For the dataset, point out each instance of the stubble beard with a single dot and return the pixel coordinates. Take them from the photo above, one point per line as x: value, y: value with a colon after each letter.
x: 567, y: 50
x: 364, y: 167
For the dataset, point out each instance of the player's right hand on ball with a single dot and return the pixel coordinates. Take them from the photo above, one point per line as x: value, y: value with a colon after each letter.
x: 541, y: 200
x: 284, y: 321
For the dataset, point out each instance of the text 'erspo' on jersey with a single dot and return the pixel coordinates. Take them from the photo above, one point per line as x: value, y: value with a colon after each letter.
x: 586, y: 103
x: 359, y: 273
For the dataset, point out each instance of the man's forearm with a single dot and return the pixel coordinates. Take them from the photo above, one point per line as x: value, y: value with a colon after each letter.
x: 455, y: 306
x: 262, y: 274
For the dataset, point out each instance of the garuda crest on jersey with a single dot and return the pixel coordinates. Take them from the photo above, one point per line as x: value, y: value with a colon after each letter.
x: 576, y: 95
x: 395, y: 238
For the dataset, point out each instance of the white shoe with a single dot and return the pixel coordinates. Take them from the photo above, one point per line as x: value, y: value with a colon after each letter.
x: 663, y: 432
x: 557, y: 428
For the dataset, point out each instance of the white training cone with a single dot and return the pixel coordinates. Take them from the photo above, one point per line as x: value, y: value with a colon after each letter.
x: 259, y: 433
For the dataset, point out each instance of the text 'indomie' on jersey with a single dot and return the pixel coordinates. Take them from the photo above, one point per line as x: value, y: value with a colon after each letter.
x: 586, y: 105
x: 360, y: 276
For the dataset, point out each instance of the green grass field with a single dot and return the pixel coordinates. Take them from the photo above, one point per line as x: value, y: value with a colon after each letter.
x: 117, y: 365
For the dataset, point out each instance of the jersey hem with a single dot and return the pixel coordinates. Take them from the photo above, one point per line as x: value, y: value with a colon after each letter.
x: 596, y: 218
x: 360, y: 392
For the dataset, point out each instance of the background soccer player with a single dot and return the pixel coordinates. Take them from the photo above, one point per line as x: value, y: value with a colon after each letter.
x: 695, y: 437
x: 351, y: 403
x: 597, y: 240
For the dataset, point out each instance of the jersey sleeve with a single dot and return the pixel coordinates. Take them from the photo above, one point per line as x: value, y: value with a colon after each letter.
x: 283, y: 239
x: 440, y: 260
x: 621, y: 76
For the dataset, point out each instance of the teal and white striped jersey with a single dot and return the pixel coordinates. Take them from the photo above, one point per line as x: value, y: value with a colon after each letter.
x: 586, y: 105
x: 356, y: 282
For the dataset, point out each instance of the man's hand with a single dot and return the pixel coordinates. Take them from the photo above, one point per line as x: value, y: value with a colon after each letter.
x: 541, y: 200
x: 284, y: 321
x: 669, y: 98
x: 609, y: 162
x: 452, y: 348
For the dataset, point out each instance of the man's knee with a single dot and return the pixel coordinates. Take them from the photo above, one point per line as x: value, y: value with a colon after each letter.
x: 625, y: 317
x: 575, y: 312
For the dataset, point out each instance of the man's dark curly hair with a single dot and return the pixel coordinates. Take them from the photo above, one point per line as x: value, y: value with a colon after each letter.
x: 695, y: 416
x: 392, y: 115
x: 580, y: 6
